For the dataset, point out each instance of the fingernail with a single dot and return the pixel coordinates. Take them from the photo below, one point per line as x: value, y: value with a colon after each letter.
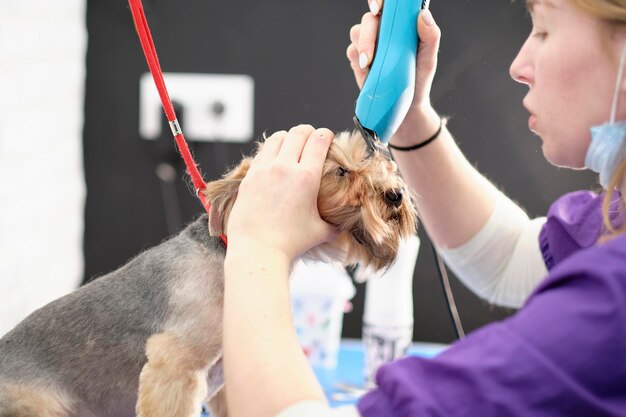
x: 321, y: 133
x: 374, y: 7
x: 428, y: 17
x: 363, y: 60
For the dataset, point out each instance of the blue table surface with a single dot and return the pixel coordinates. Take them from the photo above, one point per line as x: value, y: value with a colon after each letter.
x: 346, y: 382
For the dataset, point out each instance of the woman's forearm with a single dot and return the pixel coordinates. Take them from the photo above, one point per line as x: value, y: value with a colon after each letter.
x: 454, y: 200
x: 265, y: 368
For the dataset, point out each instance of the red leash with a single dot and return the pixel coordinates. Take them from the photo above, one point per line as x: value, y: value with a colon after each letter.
x: 141, y: 24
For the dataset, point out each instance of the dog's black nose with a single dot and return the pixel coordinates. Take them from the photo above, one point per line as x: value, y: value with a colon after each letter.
x: 394, y: 197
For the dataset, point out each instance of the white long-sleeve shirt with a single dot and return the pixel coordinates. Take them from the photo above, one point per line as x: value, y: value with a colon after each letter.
x: 502, y: 263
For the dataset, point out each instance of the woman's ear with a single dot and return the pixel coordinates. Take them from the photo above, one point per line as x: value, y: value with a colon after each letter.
x: 221, y: 194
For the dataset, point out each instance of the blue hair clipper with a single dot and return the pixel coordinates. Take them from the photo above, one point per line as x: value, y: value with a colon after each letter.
x: 388, y: 89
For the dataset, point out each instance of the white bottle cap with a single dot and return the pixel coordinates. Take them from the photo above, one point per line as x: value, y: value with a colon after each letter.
x: 389, y: 295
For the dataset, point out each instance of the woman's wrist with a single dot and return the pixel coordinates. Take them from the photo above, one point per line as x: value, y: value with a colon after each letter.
x: 253, y: 255
x: 420, y: 144
x: 418, y: 126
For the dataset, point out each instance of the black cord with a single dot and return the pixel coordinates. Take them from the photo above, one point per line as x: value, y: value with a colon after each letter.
x: 443, y: 274
x: 447, y: 291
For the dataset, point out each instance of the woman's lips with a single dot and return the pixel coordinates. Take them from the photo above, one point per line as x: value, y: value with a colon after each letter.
x: 532, y: 123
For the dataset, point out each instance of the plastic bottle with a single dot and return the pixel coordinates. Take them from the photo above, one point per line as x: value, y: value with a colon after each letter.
x: 388, y: 311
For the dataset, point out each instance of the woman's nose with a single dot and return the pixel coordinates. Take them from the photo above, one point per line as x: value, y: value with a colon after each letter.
x: 521, y: 69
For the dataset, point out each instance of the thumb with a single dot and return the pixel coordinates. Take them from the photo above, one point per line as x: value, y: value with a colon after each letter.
x: 430, y: 35
x: 325, y: 232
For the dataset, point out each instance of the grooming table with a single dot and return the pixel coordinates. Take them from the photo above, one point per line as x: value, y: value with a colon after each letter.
x: 345, y: 384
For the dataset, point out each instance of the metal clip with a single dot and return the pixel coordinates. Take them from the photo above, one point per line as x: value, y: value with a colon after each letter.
x: 175, y: 126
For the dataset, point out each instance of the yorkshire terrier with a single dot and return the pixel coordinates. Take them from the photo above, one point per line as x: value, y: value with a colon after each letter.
x: 146, y: 339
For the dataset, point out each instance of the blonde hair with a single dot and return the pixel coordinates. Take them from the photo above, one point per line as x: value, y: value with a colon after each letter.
x: 616, y: 181
x: 613, y: 12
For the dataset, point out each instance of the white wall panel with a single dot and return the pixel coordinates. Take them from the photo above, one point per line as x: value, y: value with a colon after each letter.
x: 42, y: 191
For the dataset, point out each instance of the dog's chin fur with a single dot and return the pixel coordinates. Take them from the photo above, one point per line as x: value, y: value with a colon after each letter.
x: 351, y: 198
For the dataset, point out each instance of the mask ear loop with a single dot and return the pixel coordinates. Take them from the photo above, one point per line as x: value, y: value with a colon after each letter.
x: 606, y: 201
x: 620, y: 78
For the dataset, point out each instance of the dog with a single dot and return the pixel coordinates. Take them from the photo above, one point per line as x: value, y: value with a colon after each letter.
x: 146, y: 339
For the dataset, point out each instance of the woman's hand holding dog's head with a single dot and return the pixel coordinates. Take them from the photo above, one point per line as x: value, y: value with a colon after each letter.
x: 276, y: 207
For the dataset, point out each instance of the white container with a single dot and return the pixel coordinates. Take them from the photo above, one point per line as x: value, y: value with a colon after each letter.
x: 388, y: 312
x: 319, y: 295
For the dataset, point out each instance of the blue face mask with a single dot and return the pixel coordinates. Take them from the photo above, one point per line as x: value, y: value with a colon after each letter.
x: 607, y: 150
x: 608, y: 141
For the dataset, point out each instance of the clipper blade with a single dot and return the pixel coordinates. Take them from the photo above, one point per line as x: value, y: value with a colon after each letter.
x: 369, y: 136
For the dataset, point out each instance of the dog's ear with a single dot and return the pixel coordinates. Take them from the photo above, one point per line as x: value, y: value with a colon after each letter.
x: 221, y: 194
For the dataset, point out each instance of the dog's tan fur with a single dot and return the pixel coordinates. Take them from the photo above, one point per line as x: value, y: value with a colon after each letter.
x: 36, y: 401
x: 173, y: 381
x: 370, y: 229
x: 147, y: 338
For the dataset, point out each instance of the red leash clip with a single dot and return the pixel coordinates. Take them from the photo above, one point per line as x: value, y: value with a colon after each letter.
x: 147, y: 44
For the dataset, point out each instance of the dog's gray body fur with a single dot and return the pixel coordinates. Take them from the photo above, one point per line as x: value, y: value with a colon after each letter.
x: 91, y: 343
x: 147, y: 338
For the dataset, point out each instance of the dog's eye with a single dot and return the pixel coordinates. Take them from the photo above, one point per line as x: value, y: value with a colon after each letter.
x: 341, y: 172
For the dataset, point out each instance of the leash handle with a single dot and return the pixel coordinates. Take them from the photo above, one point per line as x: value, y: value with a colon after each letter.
x: 149, y: 50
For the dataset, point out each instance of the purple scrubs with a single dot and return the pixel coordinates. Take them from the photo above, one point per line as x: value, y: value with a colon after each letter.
x: 562, y: 354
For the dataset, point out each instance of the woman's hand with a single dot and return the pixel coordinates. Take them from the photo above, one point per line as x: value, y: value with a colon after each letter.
x: 276, y: 208
x: 273, y: 220
x: 363, y: 42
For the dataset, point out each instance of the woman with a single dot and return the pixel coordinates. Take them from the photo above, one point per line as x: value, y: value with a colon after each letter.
x: 564, y: 352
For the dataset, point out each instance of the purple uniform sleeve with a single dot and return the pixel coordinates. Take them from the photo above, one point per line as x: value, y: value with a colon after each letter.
x: 574, y: 222
x: 562, y: 354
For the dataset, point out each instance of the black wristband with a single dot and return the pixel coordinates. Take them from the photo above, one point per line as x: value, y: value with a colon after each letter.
x: 421, y: 144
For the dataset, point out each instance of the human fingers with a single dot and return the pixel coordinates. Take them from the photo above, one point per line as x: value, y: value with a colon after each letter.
x: 353, y: 56
x: 367, y: 39
x: 430, y: 36
x: 291, y: 148
x: 375, y: 6
x: 319, y: 232
x: 354, y: 33
x: 315, y: 150
x: 271, y: 146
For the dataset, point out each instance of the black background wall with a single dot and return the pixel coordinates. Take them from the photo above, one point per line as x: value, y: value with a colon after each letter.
x: 295, y: 51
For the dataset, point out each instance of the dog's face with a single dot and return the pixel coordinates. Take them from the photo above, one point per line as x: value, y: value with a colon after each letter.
x: 361, y: 194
